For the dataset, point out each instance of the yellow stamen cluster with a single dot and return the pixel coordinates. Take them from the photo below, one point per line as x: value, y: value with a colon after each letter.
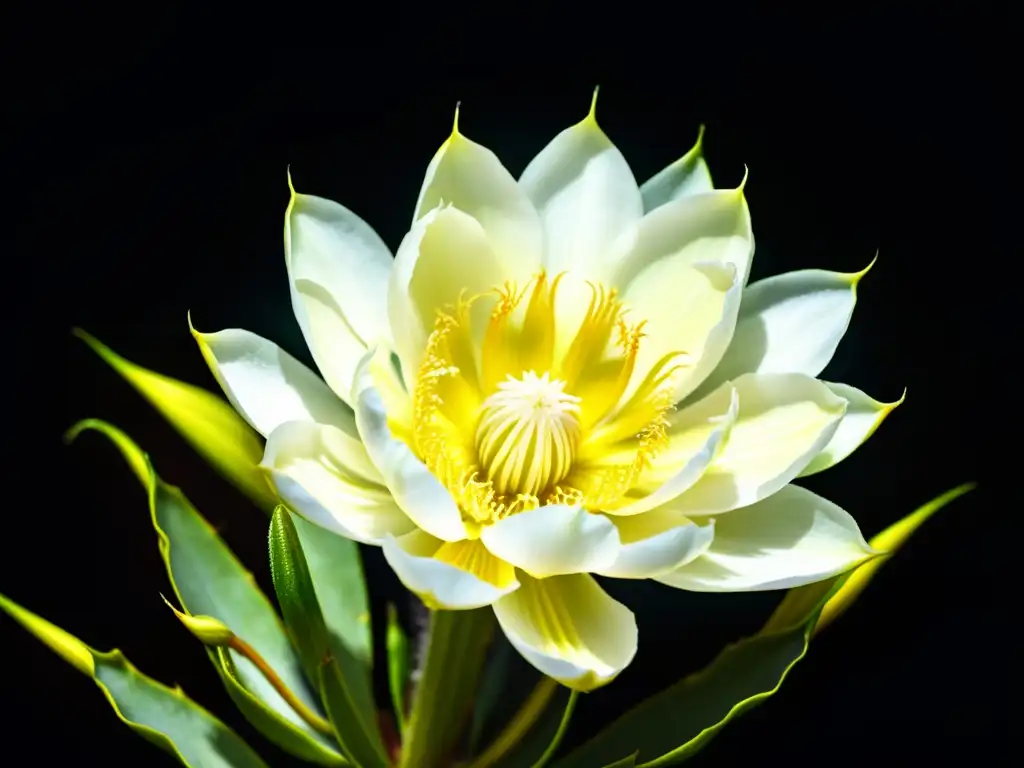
x: 508, y: 423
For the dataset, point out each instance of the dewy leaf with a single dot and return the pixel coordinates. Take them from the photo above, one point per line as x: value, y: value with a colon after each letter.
x: 210, y: 581
x: 163, y: 716
x: 354, y: 722
x: 675, y: 724
x: 888, y: 541
x: 205, y: 420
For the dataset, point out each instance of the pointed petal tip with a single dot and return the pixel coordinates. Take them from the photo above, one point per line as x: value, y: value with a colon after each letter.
x: 455, y: 121
x: 592, y: 114
x: 743, y: 183
x: 854, y: 278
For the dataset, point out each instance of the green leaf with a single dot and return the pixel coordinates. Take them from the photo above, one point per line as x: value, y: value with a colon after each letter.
x: 295, y: 594
x: 354, y: 722
x: 210, y: 581
x: 337, y: 573
x: 531, y: 731
x: 359, y: 739
x: 626, y: 762
x: 675, y: 724
x: 208, y: 422
x: 441, y: 708
x: 889, y: 541
x: 163, y: 716
x: 398, y: 666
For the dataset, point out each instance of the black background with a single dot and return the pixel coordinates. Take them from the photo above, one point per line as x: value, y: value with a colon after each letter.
x: 144, y: 161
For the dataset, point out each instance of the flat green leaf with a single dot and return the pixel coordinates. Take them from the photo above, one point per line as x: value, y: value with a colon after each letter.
x: 210, y: 581
x: 675, y: 724
x: 207, y: 421
x: 337, y: 574
x: 355, y: 725
x: 163, y: 716
x: 359, y: 739
x: 626, y: 762
x: 398, y: 666
x: 889, y: 541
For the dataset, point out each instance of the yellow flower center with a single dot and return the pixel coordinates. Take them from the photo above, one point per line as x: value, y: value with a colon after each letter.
x: 528, y: 433
x: 512, y: 409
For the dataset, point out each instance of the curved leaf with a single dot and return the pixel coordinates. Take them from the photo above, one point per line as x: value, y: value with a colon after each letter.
x: 530, y: 731
x: 205, y: 420
x: 163, y: 716
x: 210, y: 581
x: 354, y: 722
x: 675, y: 724
x: 889, y: 541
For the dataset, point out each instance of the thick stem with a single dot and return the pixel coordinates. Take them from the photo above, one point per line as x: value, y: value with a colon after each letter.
x: 449, y: 674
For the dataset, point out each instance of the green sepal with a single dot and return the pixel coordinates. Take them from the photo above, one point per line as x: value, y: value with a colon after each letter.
x: 163, y: 716
x: 207, y: 421
x: 210, y: 581
x: 398, y: 666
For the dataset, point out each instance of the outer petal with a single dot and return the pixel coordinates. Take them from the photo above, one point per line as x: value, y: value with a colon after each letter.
x: 863, y: 416
x: 555, y: 539
x: 789, y: 539
x: 713, y: 226
x: 657, y: 542
x: 696, y: 438
x: 689, y: 175
x: 307, y: 466
x: 784, y: 421
x: 417, y: 491
x: 444, y: 257
x: 790, y: 323
x: 268, y: 386
x: 569, y: 629
x: 440, y: 584
x: 470, y: 177
x: 338, y: 270
x: 586, y: 196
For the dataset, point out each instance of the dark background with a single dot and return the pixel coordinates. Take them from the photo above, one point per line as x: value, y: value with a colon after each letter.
x: 144, y: 161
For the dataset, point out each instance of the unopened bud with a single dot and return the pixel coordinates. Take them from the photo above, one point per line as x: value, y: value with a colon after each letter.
x: 209, y: 630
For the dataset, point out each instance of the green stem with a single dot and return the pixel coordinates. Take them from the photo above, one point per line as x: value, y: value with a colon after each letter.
x: 562, y: 728
x: 454, y: 658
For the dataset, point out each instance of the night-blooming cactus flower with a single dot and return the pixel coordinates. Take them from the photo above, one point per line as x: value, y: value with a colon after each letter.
x: 555, y: 377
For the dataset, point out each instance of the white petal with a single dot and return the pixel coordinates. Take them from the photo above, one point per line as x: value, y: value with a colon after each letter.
x: 784, y: 421
x: 470, y: 177
x: 687, y: 308
x: 554, y: 539
x: 786, y: 540
x: 697, y: 436
x: 713, y: 226
x: 444, y: 257
x: 338, y: 271
x: 418, y: 492
x: 439, y: 584
x: 308, y: 468
x: 689, y: 175
x: 569, y: 629
x: 266, y: 385
x: 863, y: 416
x: 790, y: 323
x: 586, y: 196
x: 657, y: 542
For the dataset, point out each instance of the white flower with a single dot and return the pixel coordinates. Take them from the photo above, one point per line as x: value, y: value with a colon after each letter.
x: 554, y: 377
